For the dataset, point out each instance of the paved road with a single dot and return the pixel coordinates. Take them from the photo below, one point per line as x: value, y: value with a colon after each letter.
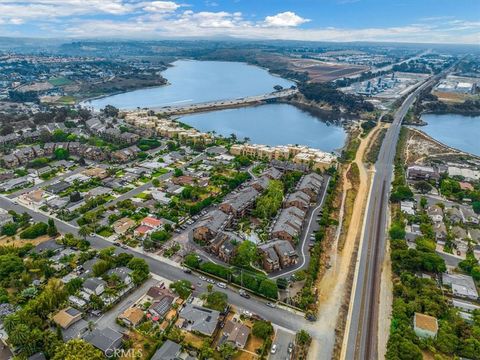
x: 303, y: 248
x: 362, y: 339
x: 46, y: 183
x: 171, y: 110
x: 283, y: 318
x: 282, y: 339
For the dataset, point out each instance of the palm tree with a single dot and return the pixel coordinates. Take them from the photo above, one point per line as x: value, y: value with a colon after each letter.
x: 84, y: 231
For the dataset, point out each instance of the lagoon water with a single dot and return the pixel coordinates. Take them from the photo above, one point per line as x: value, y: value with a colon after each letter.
x: 272, y: 124
x: 458, y: 131
x: 198, y: 81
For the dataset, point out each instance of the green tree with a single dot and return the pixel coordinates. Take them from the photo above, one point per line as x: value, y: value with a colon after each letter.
x: 262, y: 329
x: 101, y: 267
x: 52, y: 228
x: 10, y: 265
x: 476, y: 206
x: 61, y: 154
x: 303, y: 337
x: 268, y: 288
x: 77, y: 349
x: 182, y: 287
x: 423, y: 187
x: 216, y: 300
x: 192, y: 261
x: 246, y: 254
x: 34, y: 231
x: 84, y: 231
x: 227, y: 350
x: 206, y: 350
x: 9, y: 229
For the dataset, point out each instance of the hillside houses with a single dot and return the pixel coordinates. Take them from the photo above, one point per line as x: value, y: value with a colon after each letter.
x: 210, y: 225
x: 238, y: 203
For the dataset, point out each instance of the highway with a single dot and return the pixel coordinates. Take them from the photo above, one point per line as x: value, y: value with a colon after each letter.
x: 223, y: 104
x: 361, y: 338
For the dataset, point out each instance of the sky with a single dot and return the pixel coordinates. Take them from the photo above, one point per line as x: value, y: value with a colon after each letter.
x: 423, y: 21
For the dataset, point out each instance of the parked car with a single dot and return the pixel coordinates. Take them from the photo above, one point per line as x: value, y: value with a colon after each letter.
x: 187, y: 271
x: 244, y: 294
x: 310, y: 317
x: 272, y: 305
x: 274, y: 349
x: 222, y: 285
x: 201, y: 277
x: 290, y: 347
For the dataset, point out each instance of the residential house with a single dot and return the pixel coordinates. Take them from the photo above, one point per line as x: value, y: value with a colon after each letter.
x: 469, y: 216
x: 459, y: 233
x: 16, y: 183
x: 168, y: 351
x: 435, y: 213
x: 440, y: 231
x: 94, y: 286
x: 408, y: 207
x: 96, y: 172
x: 198, y: 319
x: 227, y: 251
x: 58, y: 187
x: 418, y: 172
x: 121, y: 226
x: 235, y: 333
x: 462, y: 286
x: 454, y: 215
x: 161, y: 305
x: 133, y: 316
x: 127, y: 154
x: 207, y: 228
x: 5, y: 217
x: 67, y: 317
x: 106, y: 339
x: 123, y: 273
x: 425, y: 326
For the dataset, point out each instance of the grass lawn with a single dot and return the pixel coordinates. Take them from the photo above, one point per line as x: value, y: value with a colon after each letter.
x: 60, y: 81
x: 159, y: 172
x: 66, y: 100
x: 142, y: 195
x: 106, y: 233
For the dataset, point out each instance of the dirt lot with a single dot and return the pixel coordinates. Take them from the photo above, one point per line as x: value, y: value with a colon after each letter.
x: 320, y: 71
x: 17, y: 242
x: 449, y: 97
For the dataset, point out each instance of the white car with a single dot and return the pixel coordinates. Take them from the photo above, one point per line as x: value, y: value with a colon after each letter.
x: 222, y: 285
x: 274, y: 349
x: 203, y: 278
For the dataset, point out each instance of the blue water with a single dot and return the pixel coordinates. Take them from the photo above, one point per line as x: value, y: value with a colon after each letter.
x: 458, y: 131
x: 198, y: 81
x: 273, y: 124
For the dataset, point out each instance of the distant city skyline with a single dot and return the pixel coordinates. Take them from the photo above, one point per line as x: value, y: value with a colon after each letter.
x: 425, y: 21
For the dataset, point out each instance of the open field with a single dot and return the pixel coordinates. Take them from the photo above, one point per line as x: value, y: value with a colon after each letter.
x: 59, y: 81
x: 450, y: 97
x: 320, y: 71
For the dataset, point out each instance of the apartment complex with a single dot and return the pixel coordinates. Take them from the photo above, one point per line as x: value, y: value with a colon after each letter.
x: 316, y: 159
x: 165, y: 128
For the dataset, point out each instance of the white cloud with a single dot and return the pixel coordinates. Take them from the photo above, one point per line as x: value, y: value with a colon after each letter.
x: 161, y: 6
x: 169, y: 19
x: 285, y: 19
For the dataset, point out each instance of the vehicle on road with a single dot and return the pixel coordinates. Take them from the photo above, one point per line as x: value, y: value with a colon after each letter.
x: 244, y: 294
x: 290, y: 347
x: 203, y: 278
x: 123, y: 246
x: 116, y: 244
x: 211, y: 281
x: 187, y: 271
x: 222, y: 285
x: 274, y: 349
x: 310, y: 317
x: 247, y: 313
x: 272, y: 305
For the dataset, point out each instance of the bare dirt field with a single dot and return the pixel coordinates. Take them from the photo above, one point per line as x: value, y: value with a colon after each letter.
x: 320, y: 71
x: 17, y: 242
